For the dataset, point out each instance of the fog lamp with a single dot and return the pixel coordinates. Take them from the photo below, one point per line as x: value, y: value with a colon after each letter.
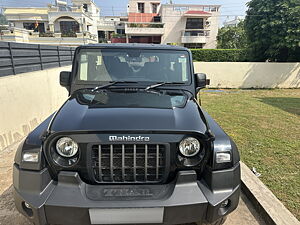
x: 223, y: 157
x: 225, y: 203
x: 27, y: 205
x: 66, y: 147
x: 189, y: 147
x: 30, y: 157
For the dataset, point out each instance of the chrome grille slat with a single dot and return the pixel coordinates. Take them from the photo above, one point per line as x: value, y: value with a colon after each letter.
x: 157, y: 161
x: 99, y: 163
x: 146, y: 162
x: 129, y: 163
x: 111, y: 162
x: 123, y: 162
x: 134, y: 162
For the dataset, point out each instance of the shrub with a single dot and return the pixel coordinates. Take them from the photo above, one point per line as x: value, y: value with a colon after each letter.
x: 219, y: 55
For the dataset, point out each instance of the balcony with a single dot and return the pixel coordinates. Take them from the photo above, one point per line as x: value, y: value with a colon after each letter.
x: 195, y: 36
x: 14, y: 34
x: 140, y: 29
x: 66, y: 9
x: 109, y: 25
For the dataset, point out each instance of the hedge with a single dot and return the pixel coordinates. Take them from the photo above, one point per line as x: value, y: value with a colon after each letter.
x: 219, y: 55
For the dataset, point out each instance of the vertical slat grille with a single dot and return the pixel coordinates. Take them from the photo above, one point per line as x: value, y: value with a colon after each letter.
x: 129, y: 163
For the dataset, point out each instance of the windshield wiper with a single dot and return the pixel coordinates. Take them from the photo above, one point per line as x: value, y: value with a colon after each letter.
x: 161, y: 84
x: 111, y: 84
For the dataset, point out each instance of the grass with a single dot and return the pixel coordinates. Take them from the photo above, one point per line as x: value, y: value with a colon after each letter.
x: 265, y: 124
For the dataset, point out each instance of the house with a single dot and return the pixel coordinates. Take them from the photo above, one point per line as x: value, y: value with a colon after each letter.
x: 147, y: 21
x: 111, y: 27
x: 58, y: 24
x: 192, y: 26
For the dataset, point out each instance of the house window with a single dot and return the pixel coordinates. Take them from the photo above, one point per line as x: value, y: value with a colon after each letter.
x: 206, y: 8
x: 141, y: 7
x: 213, y: 9
x: 194, y: 23
x: 154, y: 7
x: 37, y: 27
x: 120, y: 31
x: 85, y: 7
x: 157, y: 19
x: 69, y: 28
x: 101, y: 34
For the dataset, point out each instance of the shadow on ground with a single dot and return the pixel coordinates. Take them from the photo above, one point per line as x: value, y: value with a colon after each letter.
x: 291, y: 105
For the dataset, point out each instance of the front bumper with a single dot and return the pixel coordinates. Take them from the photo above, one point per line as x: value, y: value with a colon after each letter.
x: 71, y: 201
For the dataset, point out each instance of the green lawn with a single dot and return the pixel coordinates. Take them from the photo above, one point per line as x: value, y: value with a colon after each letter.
x: 265, y: 124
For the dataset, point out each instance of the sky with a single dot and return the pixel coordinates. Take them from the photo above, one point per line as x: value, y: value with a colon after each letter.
x: 229, y: 9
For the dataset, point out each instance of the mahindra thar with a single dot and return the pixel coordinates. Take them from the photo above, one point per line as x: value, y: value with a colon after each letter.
x: 131, y: 145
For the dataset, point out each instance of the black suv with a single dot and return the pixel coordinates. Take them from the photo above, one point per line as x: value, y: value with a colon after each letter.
x: 131, y: 145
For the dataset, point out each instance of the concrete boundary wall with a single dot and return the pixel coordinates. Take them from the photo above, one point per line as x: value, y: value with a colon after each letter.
x: 26, y: 100
x: 250, y: 75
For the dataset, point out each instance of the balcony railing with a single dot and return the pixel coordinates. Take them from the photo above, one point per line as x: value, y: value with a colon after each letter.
x: 144, y: 28
x: 195, y: 36
x: 85, y: 34
x: 196, y: 32
x: 46, y: 34
x: 66, y: 9
x: 145, y: 25
x: 69, y: 34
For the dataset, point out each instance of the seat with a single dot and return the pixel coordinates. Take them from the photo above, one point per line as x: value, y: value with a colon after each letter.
x: 115, y: 68
x: 153, y: 71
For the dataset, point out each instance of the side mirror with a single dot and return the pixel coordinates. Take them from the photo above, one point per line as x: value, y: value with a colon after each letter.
x: 201, y: 81
x: 64, y: 79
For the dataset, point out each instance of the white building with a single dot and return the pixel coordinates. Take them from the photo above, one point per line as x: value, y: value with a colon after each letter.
x: 193, y: 26
x: 145, y: 6
x: 233, y: 22
x: 147, y: 21
x: 110, y: 27
x: 59, y: 24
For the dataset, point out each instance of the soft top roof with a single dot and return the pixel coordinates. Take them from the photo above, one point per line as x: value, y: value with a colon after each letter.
x: 134, y: 46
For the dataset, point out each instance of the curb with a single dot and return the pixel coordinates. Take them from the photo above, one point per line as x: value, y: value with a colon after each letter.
x: 264, y: 201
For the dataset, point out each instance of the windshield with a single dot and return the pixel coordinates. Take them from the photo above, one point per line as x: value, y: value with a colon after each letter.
x: 104, y: 65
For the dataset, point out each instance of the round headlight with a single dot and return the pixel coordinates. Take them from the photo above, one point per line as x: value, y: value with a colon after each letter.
x: 189, y: 147
x: 66, y: 147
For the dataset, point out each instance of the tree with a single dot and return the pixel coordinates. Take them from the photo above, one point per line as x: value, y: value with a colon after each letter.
x: 273, y: 30
x: 232, y: 37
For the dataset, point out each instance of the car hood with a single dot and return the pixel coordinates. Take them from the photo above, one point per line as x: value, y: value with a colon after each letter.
x: 151, y: 112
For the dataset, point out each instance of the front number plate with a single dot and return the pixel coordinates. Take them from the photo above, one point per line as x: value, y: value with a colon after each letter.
x: 126, y: 215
